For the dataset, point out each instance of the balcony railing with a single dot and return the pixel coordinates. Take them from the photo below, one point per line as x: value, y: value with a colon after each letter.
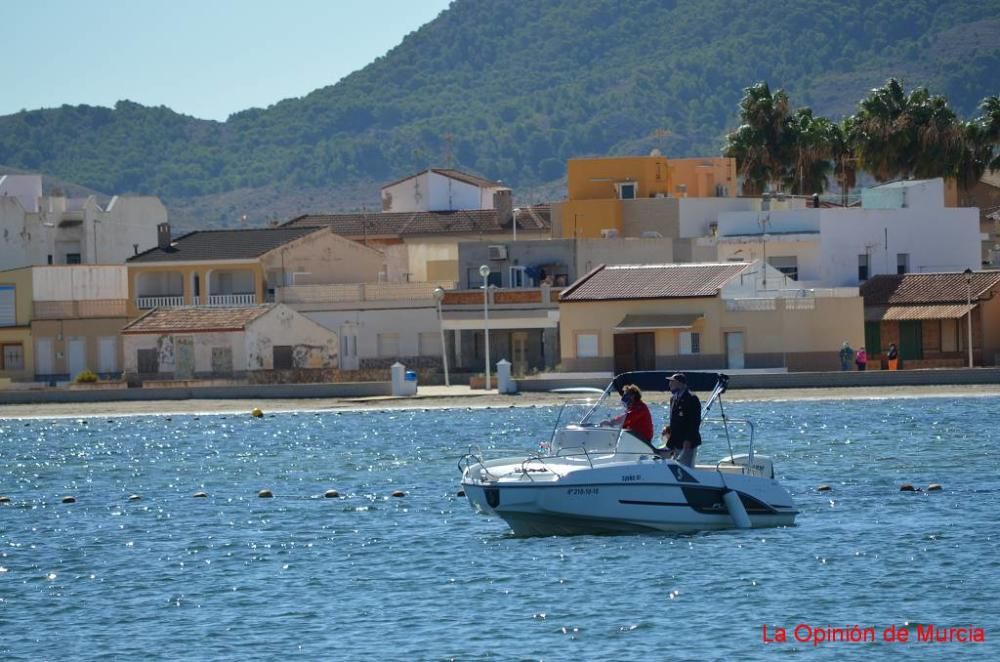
x: 499, y: 297
x: 232, y: 299
x: 169, y: 301
x: 357, y: 292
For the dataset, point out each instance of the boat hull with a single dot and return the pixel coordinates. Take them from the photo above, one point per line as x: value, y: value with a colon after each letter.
x: 627, y: 497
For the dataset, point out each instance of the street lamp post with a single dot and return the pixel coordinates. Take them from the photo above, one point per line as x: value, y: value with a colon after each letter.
x: 484, y: 271
x: 968, y: 301
x: 438, y: 296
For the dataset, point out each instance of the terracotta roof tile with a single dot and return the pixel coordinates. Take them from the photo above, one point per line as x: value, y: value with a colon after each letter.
x: 195, y: 319
x: 223, y: 244
x: 652, y: 281
x: 932, y: 288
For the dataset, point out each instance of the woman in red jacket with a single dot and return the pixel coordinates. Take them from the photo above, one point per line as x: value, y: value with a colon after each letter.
x: 636, y: 418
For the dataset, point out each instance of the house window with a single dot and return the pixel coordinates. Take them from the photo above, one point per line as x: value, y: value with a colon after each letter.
x: 519, y: 277
x: 627, y: 190
x: 902, y: 263
x: 12, y: 357
x: 72, y: 258
x: 587, y: 345
x: 863, y: 266
x: 788, y: 265
x: 8, y: 308
x: 430, y: 343
x: 690, y: 342
x: 388, y: 345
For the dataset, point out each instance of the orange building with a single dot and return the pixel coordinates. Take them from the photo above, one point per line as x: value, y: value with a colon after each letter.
x: 599, y: 189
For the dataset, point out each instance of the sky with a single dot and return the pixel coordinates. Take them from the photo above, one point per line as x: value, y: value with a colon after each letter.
x: 206, y: 58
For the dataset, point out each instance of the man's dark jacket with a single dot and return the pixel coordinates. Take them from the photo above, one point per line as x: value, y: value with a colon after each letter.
x: 685, y: 420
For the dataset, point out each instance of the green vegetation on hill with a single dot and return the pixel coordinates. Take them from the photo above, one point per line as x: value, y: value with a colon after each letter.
x: 510, y: 90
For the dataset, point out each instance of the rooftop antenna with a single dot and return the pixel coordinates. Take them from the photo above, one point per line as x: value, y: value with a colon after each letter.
x: 449, y: 156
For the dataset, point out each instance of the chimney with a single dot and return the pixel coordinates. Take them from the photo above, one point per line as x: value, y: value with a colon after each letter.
x: 503, y: 205
x: 163, y: 236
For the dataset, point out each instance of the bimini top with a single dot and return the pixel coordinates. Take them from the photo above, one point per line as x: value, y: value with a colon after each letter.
x: 656, y: 380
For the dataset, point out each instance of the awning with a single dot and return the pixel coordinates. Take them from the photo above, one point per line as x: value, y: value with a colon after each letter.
x: 927, y: 312
x: 632, y: 323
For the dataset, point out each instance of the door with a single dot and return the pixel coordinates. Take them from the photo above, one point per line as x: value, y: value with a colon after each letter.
x: 348, y: 347
x: 645, y: 351
x: 77, y: 355
x: 624, y: 352
x: 43, y: 357
x: 107, y: 354
x: 734, y: 350
x: 282, y: 357
x: 519, y: 352
x: 911, y: 345
x: 634, y: 351
x: 184, y: 357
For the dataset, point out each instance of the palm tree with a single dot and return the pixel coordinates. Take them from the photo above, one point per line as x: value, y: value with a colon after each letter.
x: 844, y: 160
x: 991, y: 120
x: 761, y: 144
x: 895, y: 134
x: 810, y: 145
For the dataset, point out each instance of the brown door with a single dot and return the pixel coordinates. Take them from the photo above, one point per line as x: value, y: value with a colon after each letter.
x: 624, y: 352
x: 282, y: 357
x: 645, y: 351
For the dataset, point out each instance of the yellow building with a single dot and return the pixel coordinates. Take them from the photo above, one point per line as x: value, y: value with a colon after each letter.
x: 701, y: 317
x: 599, y: 190
x: 16, y: 355
x: 243, y: 267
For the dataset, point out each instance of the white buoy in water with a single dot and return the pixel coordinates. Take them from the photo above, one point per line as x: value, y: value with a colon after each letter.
x: 736, y: 510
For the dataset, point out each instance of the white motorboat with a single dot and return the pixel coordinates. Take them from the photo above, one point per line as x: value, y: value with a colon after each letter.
x: 594, y: 478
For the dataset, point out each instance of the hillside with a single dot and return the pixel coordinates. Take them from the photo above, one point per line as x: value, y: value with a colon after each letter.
x: 511, y: 90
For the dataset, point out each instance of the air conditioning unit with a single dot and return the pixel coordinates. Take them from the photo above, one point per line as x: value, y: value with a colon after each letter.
x: 498, y: 252
x: 609, y: 233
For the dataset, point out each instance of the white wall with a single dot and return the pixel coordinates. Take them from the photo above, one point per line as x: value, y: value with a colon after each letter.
x: 407, y: 322
x: 79, y: 283
x: 696, y: 214
x: 313, y: 345
x: 430, y: 191
x: 945, y: 239
x: 27, y: 189
x: 915, y: 194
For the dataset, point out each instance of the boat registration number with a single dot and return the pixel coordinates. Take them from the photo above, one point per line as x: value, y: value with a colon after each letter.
x: 583, y: 491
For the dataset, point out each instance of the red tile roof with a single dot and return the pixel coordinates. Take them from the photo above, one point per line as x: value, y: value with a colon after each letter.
x: 652, y: 281
x: 195, y: 320
x: 933, y: 288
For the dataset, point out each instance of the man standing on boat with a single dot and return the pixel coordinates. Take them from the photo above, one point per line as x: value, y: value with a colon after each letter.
x: 683, y: 433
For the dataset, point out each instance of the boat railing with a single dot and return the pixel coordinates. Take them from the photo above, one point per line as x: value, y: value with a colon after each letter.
x: 725, y: 422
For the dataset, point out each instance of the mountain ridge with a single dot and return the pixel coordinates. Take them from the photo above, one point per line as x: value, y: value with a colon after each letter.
x: 510, y: 91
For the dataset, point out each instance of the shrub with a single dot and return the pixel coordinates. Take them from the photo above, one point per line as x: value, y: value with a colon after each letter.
x: 86, y: 377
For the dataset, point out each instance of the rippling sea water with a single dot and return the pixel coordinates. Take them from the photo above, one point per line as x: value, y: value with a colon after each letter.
x: 235, y: 577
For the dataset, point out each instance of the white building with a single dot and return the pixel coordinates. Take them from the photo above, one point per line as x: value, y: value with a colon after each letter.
x: 907, y: 229
x: 441, y: 189
x: 40, y: 230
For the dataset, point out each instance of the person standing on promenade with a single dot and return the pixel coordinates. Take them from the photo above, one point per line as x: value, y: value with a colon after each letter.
x: 892, y: 357
x: 684, y: 431
x: 846, y: 356
x: 861, y: 359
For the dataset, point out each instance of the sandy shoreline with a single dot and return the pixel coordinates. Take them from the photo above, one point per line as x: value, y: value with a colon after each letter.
x: 439, y: 399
